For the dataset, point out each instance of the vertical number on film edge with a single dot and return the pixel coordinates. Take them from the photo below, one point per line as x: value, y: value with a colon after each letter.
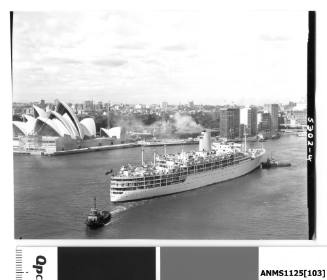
x: 19, y: 264
x: 311, y: 84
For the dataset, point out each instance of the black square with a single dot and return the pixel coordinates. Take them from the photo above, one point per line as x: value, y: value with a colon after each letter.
x: 103, y: 263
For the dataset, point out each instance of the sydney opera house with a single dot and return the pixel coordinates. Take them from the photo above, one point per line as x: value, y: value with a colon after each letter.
x: 61, y: 130
x: 60, y: 122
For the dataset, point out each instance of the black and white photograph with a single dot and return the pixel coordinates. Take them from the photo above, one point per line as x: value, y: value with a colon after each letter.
x: 163, y: 124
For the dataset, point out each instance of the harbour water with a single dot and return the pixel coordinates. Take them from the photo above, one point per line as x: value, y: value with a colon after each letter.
x: 54, y: 194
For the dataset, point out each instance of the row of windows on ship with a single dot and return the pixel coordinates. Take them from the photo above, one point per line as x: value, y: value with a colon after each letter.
x: 150, y: 184
x: 120, y: 184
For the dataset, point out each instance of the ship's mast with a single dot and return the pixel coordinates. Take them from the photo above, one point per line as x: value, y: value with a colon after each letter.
x: 245, y: 138
x: 165, y: 148
x: 142, y: 155
x: 108, y: 116
x: 95, y: 203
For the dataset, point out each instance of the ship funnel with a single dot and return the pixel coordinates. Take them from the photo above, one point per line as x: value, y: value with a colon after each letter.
x: 205, y: 141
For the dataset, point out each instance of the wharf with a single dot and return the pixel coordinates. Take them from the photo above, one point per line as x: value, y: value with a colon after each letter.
x: 22, y: 153
x: 43, y: 152
x: 93, y: 149
x: 52, y: 152
x: 166, y: 143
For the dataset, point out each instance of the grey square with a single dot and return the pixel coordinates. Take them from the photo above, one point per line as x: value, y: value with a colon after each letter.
x: 214, y: 263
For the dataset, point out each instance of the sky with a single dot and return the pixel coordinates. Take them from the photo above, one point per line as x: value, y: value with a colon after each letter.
x: 209, y: 57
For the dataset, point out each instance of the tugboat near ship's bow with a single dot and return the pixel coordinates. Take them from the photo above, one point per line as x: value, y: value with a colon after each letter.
x: 97, y: 218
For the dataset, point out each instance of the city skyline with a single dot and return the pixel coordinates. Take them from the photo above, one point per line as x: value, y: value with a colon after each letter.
x: 161, y: 103
x: 171, y: 56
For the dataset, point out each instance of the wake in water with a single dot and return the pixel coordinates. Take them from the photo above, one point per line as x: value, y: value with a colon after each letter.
x: 118, y: 210
x: 127, y: 205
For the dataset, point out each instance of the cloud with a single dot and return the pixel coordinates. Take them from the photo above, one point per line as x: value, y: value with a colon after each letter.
x: 135, y: 46
x: 126, y: 56
x: 61, y: 60
x: 114, y: 13
x: 152, y: 61
x: 177, y: 47
x: 110, y: 62
x: 35, y: 69
x: 271, y: 38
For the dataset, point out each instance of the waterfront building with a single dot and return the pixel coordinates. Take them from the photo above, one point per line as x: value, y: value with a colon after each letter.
x: 46, y: 145
x: 248, y: 118
x: 300, y: 116
x: 273, y: 110
x: 58, y: 130
x: 230, y: 122
x: 58, y: 123
x: 265, y: 126
x: 253, y: 128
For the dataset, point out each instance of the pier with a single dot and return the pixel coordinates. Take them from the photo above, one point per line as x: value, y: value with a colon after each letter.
x: 76, y: 151
x: 51, y: 152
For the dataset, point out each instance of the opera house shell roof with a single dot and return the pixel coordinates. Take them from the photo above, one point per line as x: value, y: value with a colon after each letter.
x: 115, y: 132
x: 60, y: 122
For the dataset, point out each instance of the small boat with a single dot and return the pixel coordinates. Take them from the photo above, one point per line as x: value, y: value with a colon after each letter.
x: 274, y: 163
x: 97, y: 218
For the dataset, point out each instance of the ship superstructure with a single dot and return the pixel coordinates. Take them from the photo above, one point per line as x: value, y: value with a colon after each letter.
x: 172, y: 173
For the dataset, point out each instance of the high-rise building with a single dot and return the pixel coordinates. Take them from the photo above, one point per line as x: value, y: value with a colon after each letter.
x: 88, y: 105
x: 230, y: 123
x: 273, y: 109
x: 253, y: 127
x: 266, y: 124
x: 248, y: 118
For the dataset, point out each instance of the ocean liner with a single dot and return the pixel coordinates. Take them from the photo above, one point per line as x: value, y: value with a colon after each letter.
x: 173, y: 173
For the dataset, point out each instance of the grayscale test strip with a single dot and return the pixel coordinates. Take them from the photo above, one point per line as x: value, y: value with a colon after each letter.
x: 19, y: 264
x: 36, y: 263
x: 63, y: 263
x: 135, y: 263
x: 170, y: 263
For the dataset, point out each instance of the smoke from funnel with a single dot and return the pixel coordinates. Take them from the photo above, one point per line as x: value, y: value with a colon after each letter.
x: 186, y: 124
x: 177, y: 124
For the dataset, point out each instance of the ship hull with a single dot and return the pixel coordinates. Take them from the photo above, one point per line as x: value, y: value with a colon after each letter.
x: 193, y: 181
